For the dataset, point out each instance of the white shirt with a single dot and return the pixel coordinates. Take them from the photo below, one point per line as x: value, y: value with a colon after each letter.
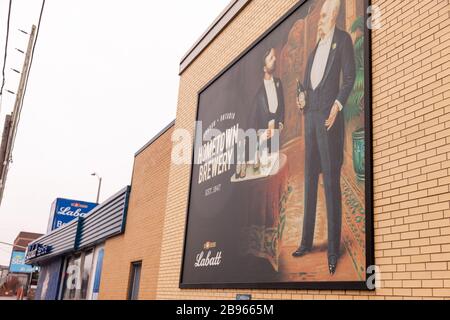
x: 272, y: 96
x: 321, y: 60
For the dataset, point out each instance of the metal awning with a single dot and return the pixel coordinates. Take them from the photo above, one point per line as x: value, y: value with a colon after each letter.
x: 104, y: 221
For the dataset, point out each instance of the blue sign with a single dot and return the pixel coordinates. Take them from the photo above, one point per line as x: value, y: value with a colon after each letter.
x: 37, y: 250
x: 65, y: 210
x: 18, y: 265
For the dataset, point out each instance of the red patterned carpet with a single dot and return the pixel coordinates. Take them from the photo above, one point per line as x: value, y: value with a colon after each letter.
x: 314, y: 266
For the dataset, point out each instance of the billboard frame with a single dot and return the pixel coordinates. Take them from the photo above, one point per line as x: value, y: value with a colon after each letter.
x: 369, y: 202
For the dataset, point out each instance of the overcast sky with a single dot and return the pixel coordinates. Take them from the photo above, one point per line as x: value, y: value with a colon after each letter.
x: 104, y: 81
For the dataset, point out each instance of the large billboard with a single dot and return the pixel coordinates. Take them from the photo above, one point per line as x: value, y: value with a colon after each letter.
x: 65, y: 210
x: 17, y: 264
x: 281, y: 179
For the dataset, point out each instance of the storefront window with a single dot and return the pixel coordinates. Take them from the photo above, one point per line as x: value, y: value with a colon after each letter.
x: 87, y: 268
x: 77, y: 275
x: 72, y: 285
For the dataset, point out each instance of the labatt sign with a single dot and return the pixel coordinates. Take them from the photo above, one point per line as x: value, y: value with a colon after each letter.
x: 206, y: 258
x: 65, y: 210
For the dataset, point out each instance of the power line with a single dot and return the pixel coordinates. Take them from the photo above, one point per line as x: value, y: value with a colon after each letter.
x: 5, y: 54
x: 5, y: 250
x: 6, y: 46
x: 12, y: 245
x: 6, y: 244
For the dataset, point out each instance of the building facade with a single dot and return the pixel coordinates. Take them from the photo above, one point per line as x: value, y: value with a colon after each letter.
x: 410, y: 114
x: 71, y: 257
x: 407, y: 115
x: 140, y: 245
x: 19, y: 275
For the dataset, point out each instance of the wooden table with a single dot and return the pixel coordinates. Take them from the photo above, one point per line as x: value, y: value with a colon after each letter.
x: 263, y: 214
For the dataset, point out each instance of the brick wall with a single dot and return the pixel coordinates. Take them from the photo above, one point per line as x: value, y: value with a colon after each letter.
x: 411, y: 138
x: 145, y: 220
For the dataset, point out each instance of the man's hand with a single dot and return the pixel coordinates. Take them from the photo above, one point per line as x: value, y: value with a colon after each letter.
x: 301, y: 101
x: 332, y: 118
x: 281, y: 126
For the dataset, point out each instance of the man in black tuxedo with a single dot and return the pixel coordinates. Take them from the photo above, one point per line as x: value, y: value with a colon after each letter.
x: 269, y: 105
x: 324, y: 126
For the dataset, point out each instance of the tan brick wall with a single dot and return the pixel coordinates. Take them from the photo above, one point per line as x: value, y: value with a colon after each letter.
x: 411, y: 137
x: 144, y: 226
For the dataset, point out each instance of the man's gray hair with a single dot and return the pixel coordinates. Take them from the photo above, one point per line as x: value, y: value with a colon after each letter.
x: 335, y: 5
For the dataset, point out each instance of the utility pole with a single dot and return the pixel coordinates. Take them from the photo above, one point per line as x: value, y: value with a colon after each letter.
x: 15, y: 116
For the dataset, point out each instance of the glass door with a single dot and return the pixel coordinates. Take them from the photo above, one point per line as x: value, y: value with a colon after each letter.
x: 77, y: 276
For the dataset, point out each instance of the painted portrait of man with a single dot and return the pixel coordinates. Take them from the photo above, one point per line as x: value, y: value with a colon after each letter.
x: 269, y: 106
x: 325, y: 96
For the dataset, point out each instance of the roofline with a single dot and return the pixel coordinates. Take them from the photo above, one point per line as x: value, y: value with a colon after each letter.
x: 220, y: 23
x: 28, y: 234
x: 156, y: 137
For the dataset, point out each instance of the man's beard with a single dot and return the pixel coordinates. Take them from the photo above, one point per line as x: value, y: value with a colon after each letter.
x: 271, y: 71
x: 324, y: 30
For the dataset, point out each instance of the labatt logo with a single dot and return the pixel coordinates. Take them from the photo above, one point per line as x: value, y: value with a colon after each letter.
x: 206, y: 259
x: 67, y: 211
x: 79, y: 205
